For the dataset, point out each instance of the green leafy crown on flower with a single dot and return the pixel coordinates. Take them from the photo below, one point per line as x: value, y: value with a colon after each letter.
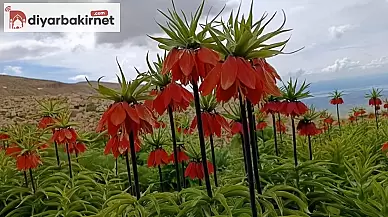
x: 311, y: 114
x: 374, y: 93
x: 336, y: 94
x: 131, y: 92
x: 246, y: 38
x: 154, y: 71
x: 208, y: 103
x: 292, y: 92
x: 182, y: 33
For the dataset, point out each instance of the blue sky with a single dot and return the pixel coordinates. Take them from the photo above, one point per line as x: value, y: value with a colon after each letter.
x: 342, y: 39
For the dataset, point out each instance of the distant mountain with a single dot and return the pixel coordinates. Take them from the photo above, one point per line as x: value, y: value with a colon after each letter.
x: 368, y: 80
x: 20, y: 86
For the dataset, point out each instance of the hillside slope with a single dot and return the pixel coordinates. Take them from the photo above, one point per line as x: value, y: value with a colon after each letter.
x: 20, y: 86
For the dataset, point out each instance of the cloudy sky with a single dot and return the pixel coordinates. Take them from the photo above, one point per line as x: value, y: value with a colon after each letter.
x: 341, y: 39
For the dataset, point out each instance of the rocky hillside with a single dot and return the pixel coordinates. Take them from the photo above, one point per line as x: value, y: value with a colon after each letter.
x: 18, y: 97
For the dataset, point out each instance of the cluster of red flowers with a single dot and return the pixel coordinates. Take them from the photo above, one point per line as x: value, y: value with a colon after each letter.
x: 375, y: 102
x: 188, y: 65
x: 237, y: 74
x: 261, y: 125
x: 122, y: 119
x: 337, y: 101
x: 280, y: 127
x: 293, y: 108
x: 24, y: 160
x: 212, y: 124
x: 194, y: 170
x: 307, y: 128
x: 159, y: 157
x: 172, y: 95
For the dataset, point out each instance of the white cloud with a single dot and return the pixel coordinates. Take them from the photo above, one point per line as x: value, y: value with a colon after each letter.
x: 339, y: 31
x: 78, y: 78
x: 15, y: 70
x: 341, y: 64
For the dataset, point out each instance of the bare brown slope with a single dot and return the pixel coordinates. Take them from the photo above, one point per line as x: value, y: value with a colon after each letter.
x: 20, y: 86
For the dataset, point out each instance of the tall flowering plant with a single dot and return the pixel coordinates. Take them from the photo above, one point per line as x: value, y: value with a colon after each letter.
x: 374, y: 100
x: 213, y: 123
x: 188, y: 61
x: 307, y: 127
x: 170, y: 96
x: 336, y: 99
x: 126, y: 118
x: 158, y: 156
x: 25, y: 145
x: 50, y: 109
x: 243, y: 71
x: 64, y: 134
x: 293, y: 106
x: 272, y: 106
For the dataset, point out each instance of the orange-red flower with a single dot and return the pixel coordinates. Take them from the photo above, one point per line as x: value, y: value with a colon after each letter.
x: 384, y: 147
x: 293, y: 108
x: 4, y: 136
x: 185, y: 130
x: 271, y: 107
x: 172, y: 95
x: 261, y: 125
x: 158, y: 157
x: 237, y: 74
x: 328, y: 120
x: 119, y: 144
x: 195, y: 170
x: 235, y: 127
x: 375, y: 102
x: 46, y: 122
x: 76, y: 148
x: 26, y: 160
x: 188, y: 65
x: 159, y: 124
x: 64, y: 136
x: 307, y: 128
x: 352, y: 118
x: 386, y: 105
x: 212, y: 124
x: 182, y: 157
x: 280, y: 127
x: 128, y: 118
x: 336, y: 101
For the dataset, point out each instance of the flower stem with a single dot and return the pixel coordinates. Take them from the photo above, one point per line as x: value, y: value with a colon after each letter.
x: 160, y: 178
x: 255, y: 150
x: 57, y: 155
x: 280, y: 132
x: 201, y: 139
x: 294, y: 141
x: 310, y: 148
x: 213, y: 160
x: 116, y: 165
x: 32, y: 181
x: 176, y: 164
x: 248, y: 157
x: 275, y: 135
x: 338, y: 119
x: 128, y: 172
x: 376, y: 118
x: 25, y: 178
x: 244, y: 155
x: 76, y: 156
x: 134, y: 164
x: 69, y: 159
x: 183, y: 174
